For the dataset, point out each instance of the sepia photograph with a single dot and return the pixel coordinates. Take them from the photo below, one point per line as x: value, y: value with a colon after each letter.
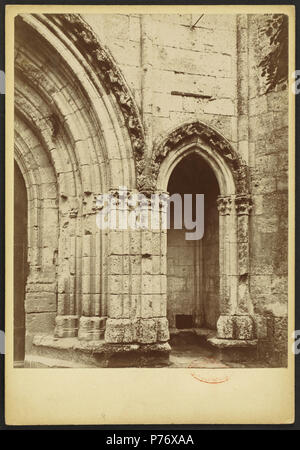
x: 151, y: 190
x: 150, y: 197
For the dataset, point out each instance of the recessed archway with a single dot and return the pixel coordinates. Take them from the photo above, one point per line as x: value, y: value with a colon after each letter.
x: 77, y: 135
x: 233, y: 204
x: 193, y: 265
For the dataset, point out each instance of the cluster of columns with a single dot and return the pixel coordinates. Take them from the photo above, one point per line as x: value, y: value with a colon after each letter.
x: 235, y: 321
x: 112, y: 282
x: 81, y: 309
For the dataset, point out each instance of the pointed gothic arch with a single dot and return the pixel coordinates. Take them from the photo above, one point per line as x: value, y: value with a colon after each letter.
x: 234, y: 205
x: 78, y: 134
x: 229, y: 167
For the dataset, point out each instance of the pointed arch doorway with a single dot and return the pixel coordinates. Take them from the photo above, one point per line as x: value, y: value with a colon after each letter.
x: 231, y: 314
x: 193, y: 265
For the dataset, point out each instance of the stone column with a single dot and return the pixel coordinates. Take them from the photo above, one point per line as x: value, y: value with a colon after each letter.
x: 235, y: 321
x: 92, y: 315
x: 242, y: 75
x: 153, y: 322
x: 66, y: 321
x: 79, y: 271
x: 122, y: 264
x: 137, y: 278
x: 244, y: 328
x: 227, y: 264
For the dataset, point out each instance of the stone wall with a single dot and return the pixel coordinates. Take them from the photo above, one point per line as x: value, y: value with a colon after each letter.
x: 211, y: 72
x: 268, y: 161
x: 210, y: 256
x: 182, y: 61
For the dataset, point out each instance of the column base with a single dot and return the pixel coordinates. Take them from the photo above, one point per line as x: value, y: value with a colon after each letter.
x: 235, y: 350
x: 66, y: 326
x: 48, y: 351
x: 91, y: 328
x: 142, y: 331
x: 240, y: 327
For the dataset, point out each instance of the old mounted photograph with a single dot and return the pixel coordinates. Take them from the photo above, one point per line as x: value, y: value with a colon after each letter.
x: 152, y: 179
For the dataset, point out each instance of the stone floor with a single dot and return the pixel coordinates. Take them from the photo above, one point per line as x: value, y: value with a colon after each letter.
x: 197, y: 356
x: 189, y: 349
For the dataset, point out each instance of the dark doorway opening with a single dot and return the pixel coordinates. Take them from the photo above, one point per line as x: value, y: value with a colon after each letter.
x: 184, y: 321
x: 20, y: 264
x: 193, y: 265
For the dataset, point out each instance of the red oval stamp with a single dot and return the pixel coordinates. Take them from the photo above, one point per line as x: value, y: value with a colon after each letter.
x: 209, y: 364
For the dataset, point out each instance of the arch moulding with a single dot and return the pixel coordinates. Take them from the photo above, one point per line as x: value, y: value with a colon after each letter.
x: 108, y: 123
x: 105, y: 68
x: 234, y: 205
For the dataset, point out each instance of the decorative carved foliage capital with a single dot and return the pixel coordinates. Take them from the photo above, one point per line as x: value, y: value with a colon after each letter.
x: 224, y: 205
x: 73, y: 213
x: 243, y: 204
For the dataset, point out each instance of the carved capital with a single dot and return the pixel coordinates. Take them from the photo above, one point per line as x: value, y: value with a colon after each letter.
x: 224, y: 205
x: 73, y: 213
x: 243, y: 204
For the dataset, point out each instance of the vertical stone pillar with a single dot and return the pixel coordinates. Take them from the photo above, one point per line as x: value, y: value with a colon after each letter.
x: 123, y: 266
x: 243, y: 77
x: 79, y: 271
x: 244, y: 328
x: 153, y: 324
x: 66, y: 321
x: 92, y: 317
x: 235, y: 321
x: 137, y: 277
